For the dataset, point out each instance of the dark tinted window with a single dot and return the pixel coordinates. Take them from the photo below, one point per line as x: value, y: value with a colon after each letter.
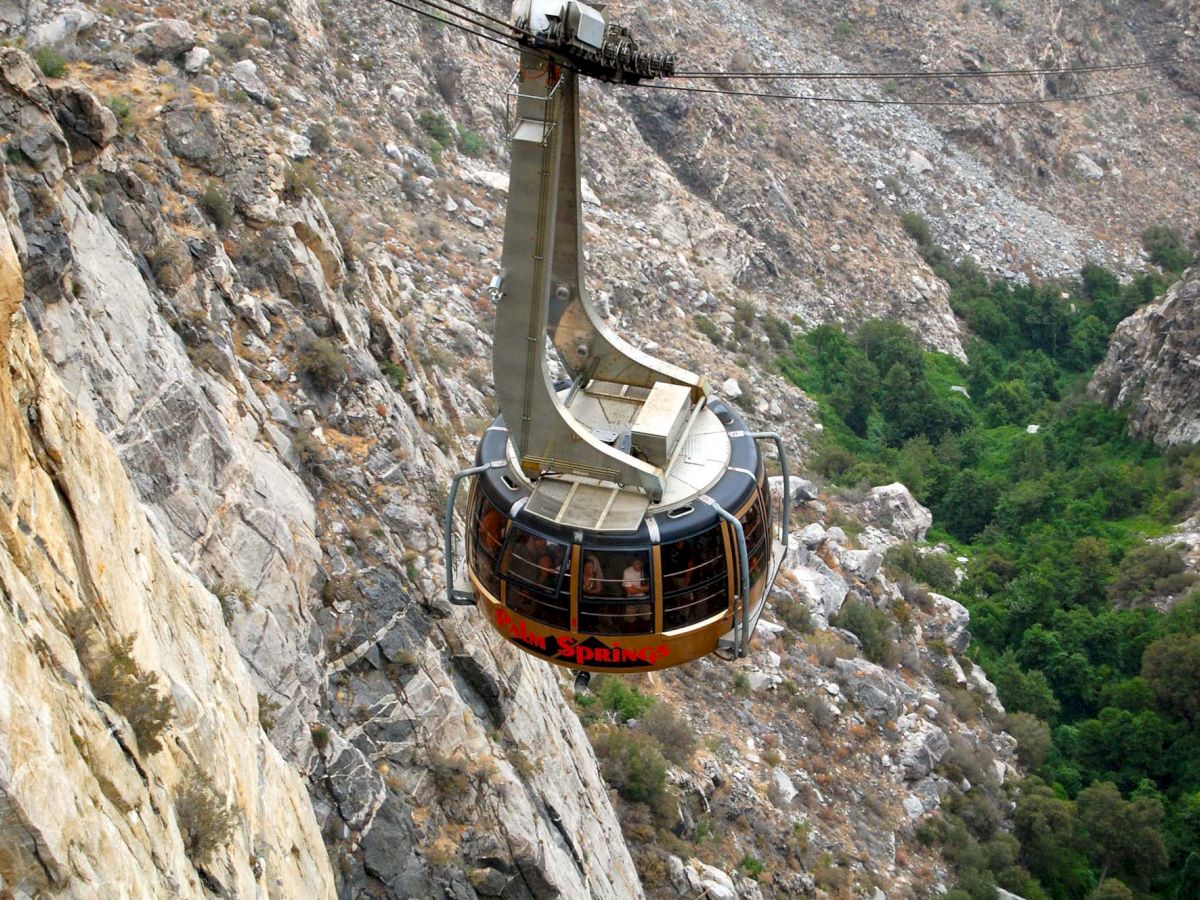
x: 756, y: 523
x: 695, y: 579
x: 487, y: 527
x: 616, y: 592
x: 538, y: 586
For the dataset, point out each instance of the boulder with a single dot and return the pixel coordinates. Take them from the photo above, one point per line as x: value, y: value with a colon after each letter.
x: 821, y: 588
x: 245, y: 75
x: 922, y: 749
x: 783, y: 785
x: 88, y: 125
x: 950, y: 623
x: 803, y: 490
x: 1088, y: 167
x: 1151, y: 368
x: 812, y: 535
x: 192, y: 134
x: 893, y: 509
x: 918, y: 163
x: 731, y: 389
x: 882, y: 695
x: 196, y: 60
x: 63, y: 29
x: 162, y: 39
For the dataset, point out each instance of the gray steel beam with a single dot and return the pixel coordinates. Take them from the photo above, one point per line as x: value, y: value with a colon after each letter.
x: 542, y: 294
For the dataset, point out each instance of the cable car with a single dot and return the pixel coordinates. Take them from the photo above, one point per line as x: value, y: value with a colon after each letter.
x: 619, y: 520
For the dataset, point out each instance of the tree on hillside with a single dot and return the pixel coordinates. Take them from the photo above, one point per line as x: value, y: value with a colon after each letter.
x: 1171, y: 667
x: 1122, y: 837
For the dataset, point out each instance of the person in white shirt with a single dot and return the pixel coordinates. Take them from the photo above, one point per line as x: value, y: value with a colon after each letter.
x: 634, y: 579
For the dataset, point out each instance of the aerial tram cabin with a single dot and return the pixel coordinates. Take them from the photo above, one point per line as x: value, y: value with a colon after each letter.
x: 620, y: 520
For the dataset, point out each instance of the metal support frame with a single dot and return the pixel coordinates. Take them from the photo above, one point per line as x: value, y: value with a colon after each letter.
x: 542, y: 295
x: 459, y: 598
x: 743, y: 564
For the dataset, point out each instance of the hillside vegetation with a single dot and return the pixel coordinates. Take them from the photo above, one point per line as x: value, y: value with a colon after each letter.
x: 1053, y: 504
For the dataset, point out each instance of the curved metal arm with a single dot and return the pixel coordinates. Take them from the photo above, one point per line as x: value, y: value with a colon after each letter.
x: 787, y: 484
x: 743, y: 644
x: 448, y: 534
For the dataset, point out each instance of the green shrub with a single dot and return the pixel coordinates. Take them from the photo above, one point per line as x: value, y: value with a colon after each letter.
x: 631, y: 761
x: 1149, y: 570
x: 436, y: 126
x: 300, y: 179
x: 451, y: 774
x: 50, y: 62
x: 872, y: 627
x: 741, y: 684
x: 778, y: 332
x: 708, y: 328
x: 1166, y: 248
x: 1033, y: 738
x: 268, y: 711
x: 672, y: 731
x: 319, y: 137
x: 469, y: 142
x: 794, y: 613
x: 917, y: 228
x: 122, y: 108
x: 752, y: 866
x: 121, y: 683
x: 395, y: 374
x: 205, y: 822
x: 615, y: 694
x: 217, y: 206
x: 320, y: 736
x: 323, y: 362
x: 934, y: 569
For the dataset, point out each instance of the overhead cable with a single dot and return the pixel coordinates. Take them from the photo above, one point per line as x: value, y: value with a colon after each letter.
x: 872, y: 101
x: 496, y: 36
x: 919, y: 74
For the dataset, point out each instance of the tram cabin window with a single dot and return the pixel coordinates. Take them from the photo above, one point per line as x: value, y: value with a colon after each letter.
x: 695, y: 579
x: 755, y: 524
x: 538, y: 587
x: 616, y: 592
x: 487, y: 527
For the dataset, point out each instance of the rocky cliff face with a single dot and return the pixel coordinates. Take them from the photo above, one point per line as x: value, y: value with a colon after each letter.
x: 88, y: 807
x: 439, y: 760
x: 1153, y: 366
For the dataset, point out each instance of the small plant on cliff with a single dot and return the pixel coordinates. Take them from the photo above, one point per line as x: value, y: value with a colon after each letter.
x: 752, y: 866
x: 632, y: 762
x: 324, y: 363
x: 672, y: 731
x: 1166, y: 248
x: 205, y: 823
x: 121, y: 683
x: 872, y: 627
x: 300, y: 179
x: 50, y: 62
x: 469, y: 142
x: 626, y: 701
x: 122, y: 108
x: 215, y: 204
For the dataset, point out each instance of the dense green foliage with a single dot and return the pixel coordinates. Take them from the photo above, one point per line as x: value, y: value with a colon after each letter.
x: 1103, y: 692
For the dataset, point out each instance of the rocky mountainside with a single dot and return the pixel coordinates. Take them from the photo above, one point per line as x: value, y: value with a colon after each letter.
x: 1153, y: 366
x: 94, y: 799
x: 255, y: 241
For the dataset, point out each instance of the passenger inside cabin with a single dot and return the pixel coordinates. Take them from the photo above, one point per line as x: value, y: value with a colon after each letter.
x: 634, y: 579
x: 593, y: 575
x: 492, y: 528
